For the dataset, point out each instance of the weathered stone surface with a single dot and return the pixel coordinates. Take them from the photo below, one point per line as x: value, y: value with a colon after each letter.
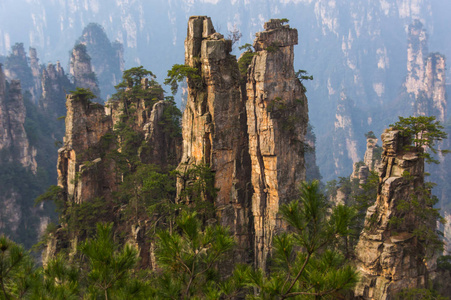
x: 214, y: 129
x: 86, y: 124
x: 106, y: 58
x: 163, y: 148
x: 388, y: 257
x: 13, y: 138
x: 370, y: 158
x: 277, y: 116
x: 36, y: 91
x: 55, y: 85
x: 87, y: 169
x: 81, y: 70
x: 426, y: 77
x: 416, y: 52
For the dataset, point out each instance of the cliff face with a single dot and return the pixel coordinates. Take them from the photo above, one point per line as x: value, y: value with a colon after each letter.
x: 106, y: 58
x: 14, y: 141
x: 214, y: 128
x: 345, y: 144
x: 96, y: 159
x: 249, y: 135
x: 55, y: 85
x: 426, y: 77
x: 18, y: 68
x: 372, y: 154
x: 277, y: 116
x: 81, y: 70
x: 17, y: 163
x: 81, y: 171
x: 389, y: 257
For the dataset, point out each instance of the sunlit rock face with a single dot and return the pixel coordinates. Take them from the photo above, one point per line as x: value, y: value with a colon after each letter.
x: 389, y: 258
x: 277, y: 117
x: 214, y: 129
x: 249, y: 129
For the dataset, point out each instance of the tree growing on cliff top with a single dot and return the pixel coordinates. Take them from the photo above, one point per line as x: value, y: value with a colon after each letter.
x: 423, y: 132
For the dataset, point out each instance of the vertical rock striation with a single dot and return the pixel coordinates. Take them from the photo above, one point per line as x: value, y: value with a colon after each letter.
x: 81, y: 172
x: 214, y: 128
x: 14, y: 142
x: 81, y: 70
x: 345, y: 144
x: 107, y: 58
x: 55, y: 85
x: 277, y: 117
x: 389, y: 257
x: 372, y: 154
x: 426, y: 77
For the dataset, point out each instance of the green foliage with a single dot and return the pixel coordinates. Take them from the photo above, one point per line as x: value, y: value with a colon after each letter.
x: 109, y: 268
x: 419, y: 294
x: 17, y: 271
x: 171, y: 118
x: 132, y: 88
x: 370, y: 135
x: 423, y: 132
x: 189, y: 257
x: 81, y: 219
x: 365, y: 198
x: 444, y: 262
x: 83, y: 95
x: 303, y: 264
x: 99, y: 269
x: 248, y: 47
x: 199, y: 189
x: 245, y: 59
x: 82, y: 52
x: 273, y: 48
x: 420, y: 207
x: 284, y: 21
x: 53, y: 193
x: 303, y: 75
x: 180, y: 72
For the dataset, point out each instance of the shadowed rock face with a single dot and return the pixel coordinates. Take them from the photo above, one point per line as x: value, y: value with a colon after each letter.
x: 13, y: 138
x: 277, y: 116
x: 55, y: 85
x: 15, y: 150
x: 251, y: 134
x: 389, y: 258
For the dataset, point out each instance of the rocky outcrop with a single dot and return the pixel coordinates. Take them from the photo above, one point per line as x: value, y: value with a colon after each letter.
x: 17, y: 67
x: 372, y: 154
x: 345, y: 144
x: 311, y: 168
x: 214, y: 128
x: 95, y: 157
x: 14, y: 143
x: 36, y: 72
x: 252, y: 136
x: 106, y: 58
x: 55, y: 85
x: 155, y: 135
x: 81, y: 70
x: 82, y: 173
x: 389, y: 256
x: 277, y: 117
x: 426, y: 77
